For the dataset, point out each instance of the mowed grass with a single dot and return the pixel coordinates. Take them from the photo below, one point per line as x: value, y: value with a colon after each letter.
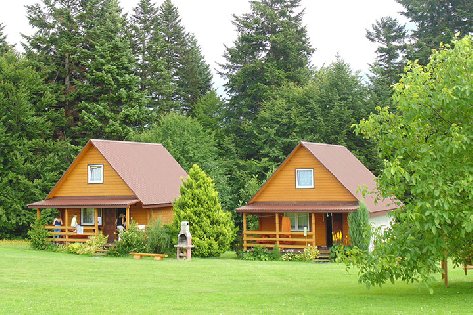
x: 58, y: 283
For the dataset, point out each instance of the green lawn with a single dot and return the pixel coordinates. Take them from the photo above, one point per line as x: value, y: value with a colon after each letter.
x: 46, y: 282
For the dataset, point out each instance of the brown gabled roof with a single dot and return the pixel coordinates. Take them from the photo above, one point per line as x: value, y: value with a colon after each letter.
x: 148, y: 169
x: 349, y: 171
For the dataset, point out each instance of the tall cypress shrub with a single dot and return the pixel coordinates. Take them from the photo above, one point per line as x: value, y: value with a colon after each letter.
x: 211, y: 227
x: 360, y: 228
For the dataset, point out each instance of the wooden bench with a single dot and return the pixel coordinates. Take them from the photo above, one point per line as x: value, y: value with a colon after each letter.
x: 156, y: 256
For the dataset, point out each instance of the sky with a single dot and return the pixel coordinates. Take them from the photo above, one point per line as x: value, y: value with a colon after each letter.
x: 334, y: 26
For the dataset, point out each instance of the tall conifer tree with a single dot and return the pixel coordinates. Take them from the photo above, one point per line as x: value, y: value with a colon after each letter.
x: 82, y: 48
x: 436, y: 21
x: 30, y: 161
x: 190, y: 74
x: 4, y: 46
x: 390, y: 57
x: 110, y: 100
x: 147, y: 46
x: 272, y: 49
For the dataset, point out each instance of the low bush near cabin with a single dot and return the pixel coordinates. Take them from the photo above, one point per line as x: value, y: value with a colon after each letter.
x: 93, y: 244
x: 131, y: 240
x: 38, y: 236
x: 261, y: 254
x: 340, y: 251
x: 158, y: 238
x: 309, y: 254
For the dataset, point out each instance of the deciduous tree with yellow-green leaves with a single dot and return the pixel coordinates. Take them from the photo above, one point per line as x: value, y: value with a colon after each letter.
x: 426, y: 142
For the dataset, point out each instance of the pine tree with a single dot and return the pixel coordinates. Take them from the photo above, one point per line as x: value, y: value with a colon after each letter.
x: 190, y: 75
x: 30, y: 162
x: 110, y: 101
x: 147, y: 46
x: 195, y: 76
x: 4, y: 46
x: 83, y: 49
x: 54, y: 49
x: 211, y: 227
x: 436, y: 21
x: 391, y: 38
x: 272, y: 49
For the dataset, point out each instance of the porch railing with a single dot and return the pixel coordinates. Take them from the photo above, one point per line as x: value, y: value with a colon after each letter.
x: 69, y: 234
x: 295, y: 240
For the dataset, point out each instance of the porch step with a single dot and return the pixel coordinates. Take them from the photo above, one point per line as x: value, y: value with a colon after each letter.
x: 324, y: 255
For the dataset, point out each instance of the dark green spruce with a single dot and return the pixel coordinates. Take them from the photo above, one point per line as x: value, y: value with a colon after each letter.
x: 272, y: 49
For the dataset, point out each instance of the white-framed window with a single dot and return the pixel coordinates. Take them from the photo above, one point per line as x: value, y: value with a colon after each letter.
x: 87, y: 216
x: 299, y: 220
x: 304, y: 178
x: 95, y: 174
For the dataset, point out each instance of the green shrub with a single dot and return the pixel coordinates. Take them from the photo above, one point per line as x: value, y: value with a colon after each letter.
x: 74, y: 248
x: 93, y: 244
x: 158, y: 238
x: 360, y: 228
x: 276, y: 253
x: 258, y: 253
x: 131, y: 240
x: 261, y: 254
x: 338, y: 252
x: 38, y: 236
x: 309, y: 254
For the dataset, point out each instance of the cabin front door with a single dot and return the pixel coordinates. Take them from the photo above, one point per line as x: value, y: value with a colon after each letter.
x: 337, y: 225
x: 328, y: 228
x: 109, y: 225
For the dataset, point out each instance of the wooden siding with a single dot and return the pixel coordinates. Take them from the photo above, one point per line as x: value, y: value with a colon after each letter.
x: 139, y: 215
x: 75, y: 180
x: 282, y: 185
x: 267, y: 222
x: 165, y: 215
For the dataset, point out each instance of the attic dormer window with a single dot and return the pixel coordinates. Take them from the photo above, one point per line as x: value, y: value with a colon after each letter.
x: 95, y: 174
x: 304, y: 178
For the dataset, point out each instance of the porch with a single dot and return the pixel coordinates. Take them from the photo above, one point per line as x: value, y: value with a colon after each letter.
x: 295, y: 226
x: 91, y: 215
x: 103, y: 221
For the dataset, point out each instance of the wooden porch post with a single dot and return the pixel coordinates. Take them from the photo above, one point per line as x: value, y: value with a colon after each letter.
x: 276, y: 217
x: 127, y: 216
x: 313, y: 229
x: 66, y: 223
x: 38, y: 214
x: 245, y: 245
x: 96, y: 216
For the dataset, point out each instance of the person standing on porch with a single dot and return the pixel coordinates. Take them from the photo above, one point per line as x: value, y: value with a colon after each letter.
x: 57, y: 222
x: 121, y: 224
x: 74, y: 222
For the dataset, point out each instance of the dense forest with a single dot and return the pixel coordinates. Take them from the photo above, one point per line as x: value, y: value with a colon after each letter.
x: 90, y: 71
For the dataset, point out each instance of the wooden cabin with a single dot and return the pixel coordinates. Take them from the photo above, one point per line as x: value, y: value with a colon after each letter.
x: 110, y: 178
x: 308, y: 198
